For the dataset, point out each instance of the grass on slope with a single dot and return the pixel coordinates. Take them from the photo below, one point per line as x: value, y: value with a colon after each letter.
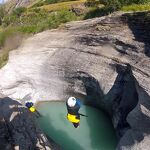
x: 63, y: 5
x: 47, y: 2
x: 34, y: 3
x: 136, y: 7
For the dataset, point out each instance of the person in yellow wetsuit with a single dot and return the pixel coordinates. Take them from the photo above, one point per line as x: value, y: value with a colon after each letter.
x: 32, y: 109
x: 73, y: 106
x: 30, y: 106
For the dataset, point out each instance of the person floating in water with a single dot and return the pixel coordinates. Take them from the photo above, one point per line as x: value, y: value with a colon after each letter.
x: 31, y: 108
x: 73, y: 106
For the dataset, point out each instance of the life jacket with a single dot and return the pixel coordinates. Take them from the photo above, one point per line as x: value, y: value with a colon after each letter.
x: 32, y: 109
x: 72, y: 118
x: 30, y: 106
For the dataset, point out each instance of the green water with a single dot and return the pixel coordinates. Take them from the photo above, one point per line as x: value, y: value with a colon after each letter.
x: 95, y: 131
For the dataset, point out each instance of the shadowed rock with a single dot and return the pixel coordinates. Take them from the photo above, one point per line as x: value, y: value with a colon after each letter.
x: 18, y: 129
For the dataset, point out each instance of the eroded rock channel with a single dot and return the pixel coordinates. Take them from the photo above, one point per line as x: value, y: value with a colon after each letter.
x: 106, y: 60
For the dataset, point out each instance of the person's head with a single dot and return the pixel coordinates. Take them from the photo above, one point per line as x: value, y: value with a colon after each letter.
x: 71, y: 101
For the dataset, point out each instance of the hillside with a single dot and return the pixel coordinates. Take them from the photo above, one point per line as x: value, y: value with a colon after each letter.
x: 22, y: 21
x: 12, y: 4
x: 64, y: 5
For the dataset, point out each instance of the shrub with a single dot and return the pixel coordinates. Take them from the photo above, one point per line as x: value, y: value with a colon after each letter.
x: 64, y: 16
x: 92, y: 3
x: 98, y: 12
x: 60, y: 17
x: 14, y: 17
x: 8, y: 19
x: 115, y: 4
x: 18, y: 11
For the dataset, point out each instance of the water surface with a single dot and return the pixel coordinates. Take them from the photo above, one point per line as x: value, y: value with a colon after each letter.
x: 95, y: 132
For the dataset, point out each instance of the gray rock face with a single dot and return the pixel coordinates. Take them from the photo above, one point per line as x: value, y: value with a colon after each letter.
x: 102, y: 59
x: 18, y: 130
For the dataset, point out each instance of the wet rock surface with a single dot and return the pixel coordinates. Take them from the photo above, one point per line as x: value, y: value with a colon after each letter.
x: 102, y: 59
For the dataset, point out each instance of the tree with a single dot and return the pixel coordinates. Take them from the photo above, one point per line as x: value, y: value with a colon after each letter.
x: 18, y: 11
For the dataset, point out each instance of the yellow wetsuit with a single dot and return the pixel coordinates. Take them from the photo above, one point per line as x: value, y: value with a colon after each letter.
x: 73, y: 118
x: 32, y: 109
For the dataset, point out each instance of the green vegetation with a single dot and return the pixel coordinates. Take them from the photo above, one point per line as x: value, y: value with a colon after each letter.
x: 2, y: 13
x: 3, y: 58
x: 92, y: 3
x: 136, y: 7
x: 47, y: 2
x: 30, y: 21
x: 34, y: 21
x: 18, y: 11
x: 22, y: 21
x: 117, y: 4
x: 98, y: 12
x: 114, y: 5
x: 48, y: 14
x: 64, y: 5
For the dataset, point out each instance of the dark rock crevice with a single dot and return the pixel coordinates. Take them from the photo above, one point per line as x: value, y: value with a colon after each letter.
x: 139, y: 122
x: 121, y: 99
x: 124, y: 98
x: 18, y: 128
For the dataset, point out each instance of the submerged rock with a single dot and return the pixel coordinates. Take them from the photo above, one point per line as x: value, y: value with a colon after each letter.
x: 102, y: 59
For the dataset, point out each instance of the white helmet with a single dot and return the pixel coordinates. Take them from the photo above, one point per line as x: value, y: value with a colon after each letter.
x: 71, y: 101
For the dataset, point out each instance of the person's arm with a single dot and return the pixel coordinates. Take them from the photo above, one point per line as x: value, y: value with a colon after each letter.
x: 78, y: 102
